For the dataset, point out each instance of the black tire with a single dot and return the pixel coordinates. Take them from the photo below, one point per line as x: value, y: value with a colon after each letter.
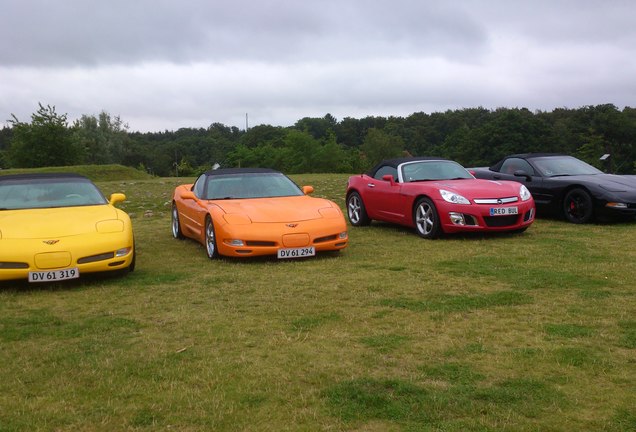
x: 578, y: 207
x: 210, y: 239
x: 356, y: 212
x: 426, y: 219
x: 131, y: 267
x: 176, y: 224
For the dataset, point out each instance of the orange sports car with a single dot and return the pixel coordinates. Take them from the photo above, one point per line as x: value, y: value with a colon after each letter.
x: 242, y: 212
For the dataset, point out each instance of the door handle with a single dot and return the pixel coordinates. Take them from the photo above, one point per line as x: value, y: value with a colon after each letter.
x: 371, y: 185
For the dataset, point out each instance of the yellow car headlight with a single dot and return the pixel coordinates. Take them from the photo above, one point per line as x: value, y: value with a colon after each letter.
x: 110, y: 226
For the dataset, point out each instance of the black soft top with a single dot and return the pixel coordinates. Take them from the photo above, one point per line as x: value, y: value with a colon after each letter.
x: 397, y: 161
x: 42, y: 176
x: 229, y: 171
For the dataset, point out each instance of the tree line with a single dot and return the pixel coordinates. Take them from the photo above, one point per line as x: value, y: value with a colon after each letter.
x: 471, y: 136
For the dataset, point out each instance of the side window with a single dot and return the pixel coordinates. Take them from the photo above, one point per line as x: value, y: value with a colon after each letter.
x: 515, y: 164
x: 199, y: 185
x: 384, y: 171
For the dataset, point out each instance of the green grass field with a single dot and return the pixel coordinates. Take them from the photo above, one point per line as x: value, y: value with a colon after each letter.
x: 530, y: 332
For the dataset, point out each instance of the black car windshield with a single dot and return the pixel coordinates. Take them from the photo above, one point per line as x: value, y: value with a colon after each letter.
x: 250, y: 185
x: 553, y: 166
x: 32, y: 193
x: 433, y: 170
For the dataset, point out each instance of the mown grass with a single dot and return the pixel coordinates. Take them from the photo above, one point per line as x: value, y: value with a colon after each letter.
x: 94, y: 172
x: 507, y: 332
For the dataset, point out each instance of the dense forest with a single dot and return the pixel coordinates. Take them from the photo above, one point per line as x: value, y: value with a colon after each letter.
x: 471, y: 136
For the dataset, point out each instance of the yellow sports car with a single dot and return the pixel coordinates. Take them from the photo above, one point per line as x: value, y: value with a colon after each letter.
x: 59, y: 226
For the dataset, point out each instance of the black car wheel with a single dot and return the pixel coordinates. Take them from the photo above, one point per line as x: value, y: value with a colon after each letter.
x: 210, y: 239
x: 578, y: 207
x: 356, y: 212
x: 176, y: 225
x: 426, y: 219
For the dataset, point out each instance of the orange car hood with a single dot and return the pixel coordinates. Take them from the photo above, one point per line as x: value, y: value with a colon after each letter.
x: 281, y: 209
x: 53, y: 222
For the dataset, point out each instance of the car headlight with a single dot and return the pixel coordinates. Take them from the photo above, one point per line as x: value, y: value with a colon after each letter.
x: 452, y: 197
x: 524, y: 193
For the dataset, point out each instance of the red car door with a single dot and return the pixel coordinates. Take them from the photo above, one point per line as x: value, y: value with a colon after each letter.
x: 384, y: 200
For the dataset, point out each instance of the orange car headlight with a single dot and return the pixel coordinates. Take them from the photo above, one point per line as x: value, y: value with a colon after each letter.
x: 329, y: 213
x: 237, y: 219
x: 110, y: 226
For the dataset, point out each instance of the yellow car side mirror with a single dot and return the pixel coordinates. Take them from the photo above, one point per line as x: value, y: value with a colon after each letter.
x: 116, y: 197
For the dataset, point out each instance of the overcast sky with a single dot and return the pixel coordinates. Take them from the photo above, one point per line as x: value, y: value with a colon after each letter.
x: 164, y: 64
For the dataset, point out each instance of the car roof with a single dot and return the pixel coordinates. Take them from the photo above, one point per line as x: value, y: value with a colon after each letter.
x: 397, y: 161
x: 43, y: 176
x: 533, y: 155
x: 226, y: 171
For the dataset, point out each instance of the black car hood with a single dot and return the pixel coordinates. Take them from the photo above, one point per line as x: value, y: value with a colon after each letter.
x: 617, y: 184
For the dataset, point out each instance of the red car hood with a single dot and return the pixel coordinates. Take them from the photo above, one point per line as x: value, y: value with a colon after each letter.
x: 478, y: 188
x: 280, y: 209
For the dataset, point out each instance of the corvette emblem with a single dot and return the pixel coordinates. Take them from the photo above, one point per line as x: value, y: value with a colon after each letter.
x: 292, y: 225
x: 50, y: 242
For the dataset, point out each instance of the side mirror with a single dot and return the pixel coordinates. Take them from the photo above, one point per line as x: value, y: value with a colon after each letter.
x: 522, y: 173
x: 188, y: 195
x: 389, y: 178
x: 116, y: 197
x: 307, y: 189
x: 472, y: 173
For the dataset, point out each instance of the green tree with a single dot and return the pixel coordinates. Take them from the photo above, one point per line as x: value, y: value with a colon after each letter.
x: 104, y: 138
x: 46, y: 141
x: 379, y: 145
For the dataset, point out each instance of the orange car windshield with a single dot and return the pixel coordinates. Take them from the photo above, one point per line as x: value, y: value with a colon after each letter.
x: 31, y: 194
x: 250, y: 185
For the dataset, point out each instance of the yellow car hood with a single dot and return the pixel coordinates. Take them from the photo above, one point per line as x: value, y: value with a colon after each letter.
x: 281, y: 209
x: 53, y: 222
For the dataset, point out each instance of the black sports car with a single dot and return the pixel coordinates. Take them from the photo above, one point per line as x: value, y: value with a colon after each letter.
x: 564, y: 185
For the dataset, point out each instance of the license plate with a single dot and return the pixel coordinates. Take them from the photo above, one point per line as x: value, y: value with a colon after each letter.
x: 54, y: 275
x: 503, y: 211
x: 296, y: 252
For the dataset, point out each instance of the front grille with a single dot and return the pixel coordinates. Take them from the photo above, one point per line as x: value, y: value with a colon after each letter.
x: 94, y: 258
x: 493, y: 201
x: 259, y: 243
x: 326, y: 239
x: 500, y: 221
x: 13, y: 265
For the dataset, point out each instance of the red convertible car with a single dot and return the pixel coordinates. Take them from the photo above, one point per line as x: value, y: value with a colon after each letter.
x: 437, y: 196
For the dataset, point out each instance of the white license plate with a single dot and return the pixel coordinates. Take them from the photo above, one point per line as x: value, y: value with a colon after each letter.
x: 503, y: 211
x: 296, y: 252
x: 54, y: 275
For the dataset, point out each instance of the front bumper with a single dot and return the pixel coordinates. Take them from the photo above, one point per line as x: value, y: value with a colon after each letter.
x: 89, y: 254
x: 260, y: 239
x: 477, y: 218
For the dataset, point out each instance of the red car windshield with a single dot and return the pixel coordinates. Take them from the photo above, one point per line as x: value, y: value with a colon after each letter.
x: 432, y: 170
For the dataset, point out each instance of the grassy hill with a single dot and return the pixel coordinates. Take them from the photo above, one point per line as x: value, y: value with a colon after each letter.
x: 94, y: 172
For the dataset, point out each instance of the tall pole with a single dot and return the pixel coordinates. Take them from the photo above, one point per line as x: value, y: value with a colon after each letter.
x: 246, y: 124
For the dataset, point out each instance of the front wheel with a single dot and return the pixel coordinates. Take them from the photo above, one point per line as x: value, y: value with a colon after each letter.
x: 578, y: 207
x: 176, y: 225
x: 210, y: 239
x: 426, y: 218
x: 356, y: 212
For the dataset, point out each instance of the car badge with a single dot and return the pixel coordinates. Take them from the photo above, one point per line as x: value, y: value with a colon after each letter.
x: 50, y: 242
x: 499, y: 201
x: 292, y: 225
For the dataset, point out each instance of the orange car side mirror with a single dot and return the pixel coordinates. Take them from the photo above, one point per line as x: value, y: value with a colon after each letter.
x: 307, y: 189
x: 116, y: 197
x: 188, y: 195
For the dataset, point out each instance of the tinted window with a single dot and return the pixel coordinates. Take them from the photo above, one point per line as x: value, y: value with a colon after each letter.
x: 47, y: 193
x: 563, y: 166
x: 515, y: 164
x: 199, y: 185
x: 433, y: 170
x: 251, y: 185
x: 386, y: 170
